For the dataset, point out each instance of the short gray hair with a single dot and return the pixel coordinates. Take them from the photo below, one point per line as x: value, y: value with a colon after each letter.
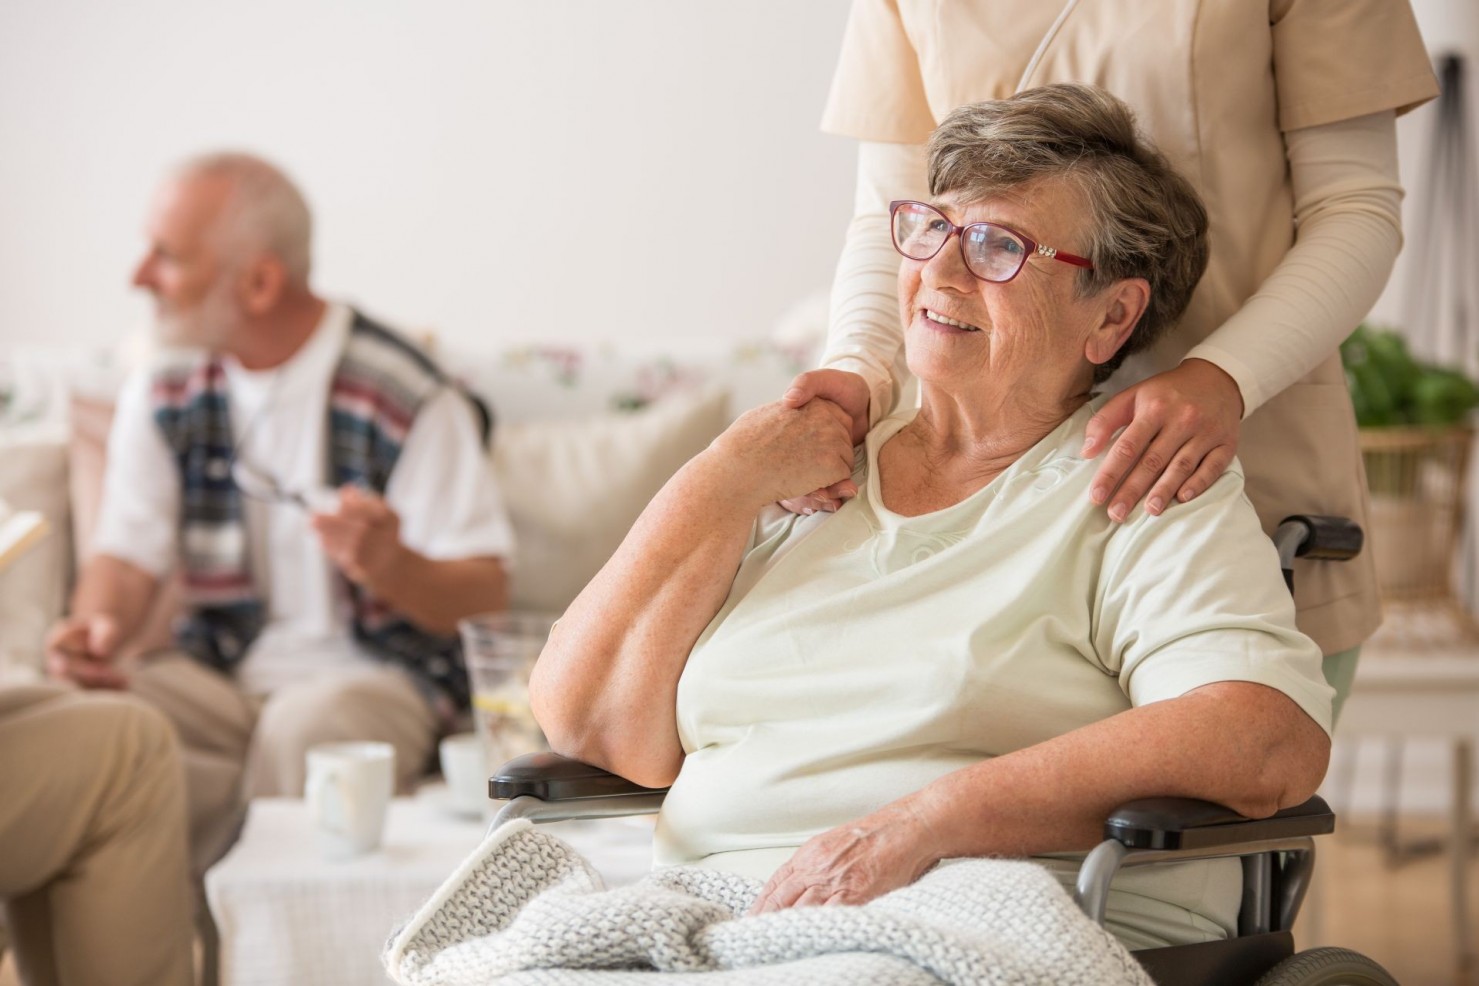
x: 265, y: 210
x: 1145, y: 220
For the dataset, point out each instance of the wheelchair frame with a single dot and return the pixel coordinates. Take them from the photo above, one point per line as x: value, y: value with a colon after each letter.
x: 1277, y: 853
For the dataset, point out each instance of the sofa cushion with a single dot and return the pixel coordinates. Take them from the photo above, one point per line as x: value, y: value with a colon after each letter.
x: 574, y: 487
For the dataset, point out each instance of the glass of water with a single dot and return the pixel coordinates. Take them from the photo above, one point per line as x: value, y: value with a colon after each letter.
x: 500, y: 649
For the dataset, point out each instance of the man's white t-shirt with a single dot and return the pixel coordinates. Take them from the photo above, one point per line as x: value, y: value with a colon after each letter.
x: 442, y: 489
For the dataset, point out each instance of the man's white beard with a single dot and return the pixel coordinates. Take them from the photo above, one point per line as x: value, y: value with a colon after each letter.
x: 208, y: 325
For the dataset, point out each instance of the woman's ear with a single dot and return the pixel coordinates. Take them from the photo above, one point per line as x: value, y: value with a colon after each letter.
x: 1123, y: 304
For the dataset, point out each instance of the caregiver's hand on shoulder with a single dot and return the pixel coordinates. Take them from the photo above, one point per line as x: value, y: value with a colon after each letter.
x: 848, y: 391
x: 853, y: 863
x: 774, y: 451
x: 1180, y: 432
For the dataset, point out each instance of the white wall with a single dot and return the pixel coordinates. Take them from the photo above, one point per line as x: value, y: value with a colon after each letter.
x: 1447, y: 26
x: 486, y: 168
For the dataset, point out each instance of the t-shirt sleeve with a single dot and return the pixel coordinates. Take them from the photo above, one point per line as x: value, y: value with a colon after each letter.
x: 877, y: 89
x: 443, y: 487
x: 138, y: 515
x: 1195, y: 597
x: 1336, y: 59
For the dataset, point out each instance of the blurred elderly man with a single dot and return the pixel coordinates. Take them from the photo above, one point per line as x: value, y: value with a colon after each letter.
x: 323, y: 488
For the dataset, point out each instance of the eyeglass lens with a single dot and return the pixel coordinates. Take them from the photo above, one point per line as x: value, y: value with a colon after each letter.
x: 991, y: 252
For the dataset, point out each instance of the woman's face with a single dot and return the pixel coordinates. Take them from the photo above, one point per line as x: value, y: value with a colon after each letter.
x: 1033, y: 334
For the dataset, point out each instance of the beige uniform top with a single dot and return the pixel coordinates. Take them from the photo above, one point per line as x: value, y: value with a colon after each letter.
x: 1214, y: 83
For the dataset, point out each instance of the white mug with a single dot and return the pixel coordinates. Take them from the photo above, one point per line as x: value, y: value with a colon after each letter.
x: 348, y: 789
x: 465, y: 767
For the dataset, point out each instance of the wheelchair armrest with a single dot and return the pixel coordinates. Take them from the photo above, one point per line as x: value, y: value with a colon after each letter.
x: 1324, y: 537
x: 1186, y: 823
x: 551, y: 777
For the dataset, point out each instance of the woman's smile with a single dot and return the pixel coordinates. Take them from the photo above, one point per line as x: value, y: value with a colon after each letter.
x: 943, y: 322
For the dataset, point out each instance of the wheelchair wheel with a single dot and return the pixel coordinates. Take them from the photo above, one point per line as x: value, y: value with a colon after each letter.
x: 1327, y: 967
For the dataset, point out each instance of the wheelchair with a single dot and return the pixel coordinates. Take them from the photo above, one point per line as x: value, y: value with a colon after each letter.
x: 1277, y: 853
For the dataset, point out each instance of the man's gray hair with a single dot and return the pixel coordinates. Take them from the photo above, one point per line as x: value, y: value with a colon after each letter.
x: 1145, y: 220
x: 265, y: 210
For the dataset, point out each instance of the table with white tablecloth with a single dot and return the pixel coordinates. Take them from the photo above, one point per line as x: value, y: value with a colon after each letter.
x: 287, y: 915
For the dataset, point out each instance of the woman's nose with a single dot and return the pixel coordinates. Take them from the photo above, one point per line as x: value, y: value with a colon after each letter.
x: 947, y: 266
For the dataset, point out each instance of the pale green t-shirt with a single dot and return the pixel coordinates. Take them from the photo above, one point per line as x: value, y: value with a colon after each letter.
x: 862, y: 654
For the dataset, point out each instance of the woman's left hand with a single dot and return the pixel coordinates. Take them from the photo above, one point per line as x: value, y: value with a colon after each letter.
x: 1181, y: 431
x: 853, y: 863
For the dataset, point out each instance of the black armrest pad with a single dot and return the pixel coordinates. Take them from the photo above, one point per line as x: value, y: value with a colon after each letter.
x: 551, y: 777
x: 1185, y: 823
x: 1330, y: 538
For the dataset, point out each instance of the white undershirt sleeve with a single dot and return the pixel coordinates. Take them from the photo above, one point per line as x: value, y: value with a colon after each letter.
x: 1348, y: 230
x: 443, y: 488
x: 138, y: 515
x: 863, y: 333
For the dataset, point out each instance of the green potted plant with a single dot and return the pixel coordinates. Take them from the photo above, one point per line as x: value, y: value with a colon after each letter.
x: 1415, y: 441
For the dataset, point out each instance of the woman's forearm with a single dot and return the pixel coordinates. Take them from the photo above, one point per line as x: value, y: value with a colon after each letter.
x: 605, y: 688
x: 1239, y: 744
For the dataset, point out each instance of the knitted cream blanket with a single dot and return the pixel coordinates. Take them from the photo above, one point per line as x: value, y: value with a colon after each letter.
x: 526, y: 909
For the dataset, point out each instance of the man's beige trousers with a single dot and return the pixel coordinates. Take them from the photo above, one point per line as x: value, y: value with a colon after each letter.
x: 93, y: 869
x: 237, y: 746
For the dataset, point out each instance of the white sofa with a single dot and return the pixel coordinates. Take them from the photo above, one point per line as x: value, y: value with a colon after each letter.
x: 584, y: 436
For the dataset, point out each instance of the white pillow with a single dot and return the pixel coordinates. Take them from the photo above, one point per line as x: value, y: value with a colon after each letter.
x: 574, y: 487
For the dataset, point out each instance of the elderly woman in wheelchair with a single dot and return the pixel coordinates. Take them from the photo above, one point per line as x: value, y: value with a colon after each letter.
x: 968, y: 658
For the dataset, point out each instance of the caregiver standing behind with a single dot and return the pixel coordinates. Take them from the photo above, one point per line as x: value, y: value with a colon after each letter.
x: 1281, y: 113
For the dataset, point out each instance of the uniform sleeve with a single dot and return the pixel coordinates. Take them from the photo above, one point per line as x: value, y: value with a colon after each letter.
x: 1336, y: 59
x: 138, y: 517
x: 443, y: 487
x: 1195, y: 597
x: 863, y: 332
x: 877, y: 90
x: 1348, y: 219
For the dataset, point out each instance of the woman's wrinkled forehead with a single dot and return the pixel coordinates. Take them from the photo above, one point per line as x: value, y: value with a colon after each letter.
x: 959, y: 201
x: 1021, y: 202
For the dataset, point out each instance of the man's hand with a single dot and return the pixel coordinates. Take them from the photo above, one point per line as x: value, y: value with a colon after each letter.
x: 362, y: 538
x: 1181, y: 431
x: 82, y: 648
x: 849, y: 392
x: 855, y: 862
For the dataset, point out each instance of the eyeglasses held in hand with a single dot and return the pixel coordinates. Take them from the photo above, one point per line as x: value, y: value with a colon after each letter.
x: 991, y: 251
x: 261, y: 485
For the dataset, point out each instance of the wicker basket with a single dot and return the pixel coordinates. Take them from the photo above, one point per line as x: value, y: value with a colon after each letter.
x: 1418, y: 479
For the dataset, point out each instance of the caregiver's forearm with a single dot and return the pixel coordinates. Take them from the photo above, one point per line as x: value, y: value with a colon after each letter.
x: 864, y: 334
x: 605, y: 688
x: 1238, y: 744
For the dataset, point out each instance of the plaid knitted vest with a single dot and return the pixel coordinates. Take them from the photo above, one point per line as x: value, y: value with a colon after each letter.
x: 378, y: 387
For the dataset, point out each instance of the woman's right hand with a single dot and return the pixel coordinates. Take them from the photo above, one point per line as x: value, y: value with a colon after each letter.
x: 777, y: 451
x: 849, y: 391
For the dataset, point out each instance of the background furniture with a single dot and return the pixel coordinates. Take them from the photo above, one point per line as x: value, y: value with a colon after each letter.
x: 1432, y: 694
x: 584, y: 437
